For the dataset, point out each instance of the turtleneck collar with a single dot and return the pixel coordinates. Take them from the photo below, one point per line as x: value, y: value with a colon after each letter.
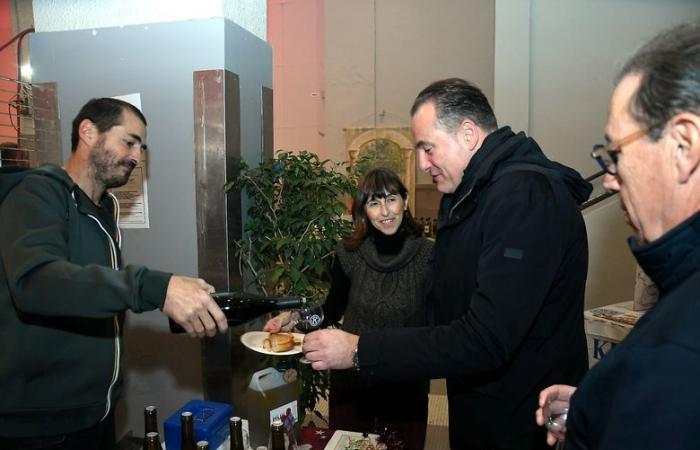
x: 389, y: 244
x: 673, y: 257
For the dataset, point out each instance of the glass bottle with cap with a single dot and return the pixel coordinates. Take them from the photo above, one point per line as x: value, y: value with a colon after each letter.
x: 236, y: 429
x: 152, y: 441
x: 150, y: 421
x: 276, y: 435
x: 187, y: 441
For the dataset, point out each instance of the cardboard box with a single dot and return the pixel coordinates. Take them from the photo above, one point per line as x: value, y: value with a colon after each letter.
x: 210, y: 423
x: 606, y: 326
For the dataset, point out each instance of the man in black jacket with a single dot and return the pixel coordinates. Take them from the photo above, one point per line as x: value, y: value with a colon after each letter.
x: 508, y: 277
x: 644, y: 393
x: 63, y: 288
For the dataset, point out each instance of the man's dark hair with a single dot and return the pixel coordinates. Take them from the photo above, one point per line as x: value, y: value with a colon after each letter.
x: 669, y: 66
x: 105, y: 113
x: 456, y: 99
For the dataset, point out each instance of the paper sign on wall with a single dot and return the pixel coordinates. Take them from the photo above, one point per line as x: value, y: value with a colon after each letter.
x: 133, y: 196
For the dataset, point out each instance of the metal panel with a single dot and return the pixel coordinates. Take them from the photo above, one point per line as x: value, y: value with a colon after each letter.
x: 47, y: 128
x: 217, y: 151
x: 266, y: 100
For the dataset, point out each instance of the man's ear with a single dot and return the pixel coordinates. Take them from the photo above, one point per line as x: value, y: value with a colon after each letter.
x: 685, y: 131
x: 469, y: 134
x: 87, y: 131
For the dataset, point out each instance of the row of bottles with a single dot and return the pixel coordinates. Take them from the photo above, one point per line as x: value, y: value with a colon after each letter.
x: 152, y: 438
x: 428, y: 225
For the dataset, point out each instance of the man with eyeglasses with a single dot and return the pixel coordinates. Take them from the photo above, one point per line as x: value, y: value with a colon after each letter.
x: 644, y: 394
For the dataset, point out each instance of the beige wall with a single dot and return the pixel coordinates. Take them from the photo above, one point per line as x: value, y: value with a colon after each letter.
x: 296, y: 34
x: 380, y: 54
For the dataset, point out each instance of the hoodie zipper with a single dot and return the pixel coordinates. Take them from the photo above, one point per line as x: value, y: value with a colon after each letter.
x: 115, y: 266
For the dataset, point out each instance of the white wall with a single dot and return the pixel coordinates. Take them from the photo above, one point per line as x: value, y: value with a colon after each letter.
x: 60, y: 15
x: 380, y: 54
x: 574, y: 49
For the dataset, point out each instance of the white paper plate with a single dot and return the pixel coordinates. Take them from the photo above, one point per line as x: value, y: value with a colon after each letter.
x: 341, y: 439
x: 254, y: 341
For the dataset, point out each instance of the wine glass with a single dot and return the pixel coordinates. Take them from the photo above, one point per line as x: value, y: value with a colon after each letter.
x: 556, y: 421
x: 310, y: 319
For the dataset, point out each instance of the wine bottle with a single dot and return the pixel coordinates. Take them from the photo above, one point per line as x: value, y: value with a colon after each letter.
x: 236, y: 430
x: 150, y: 422
x: 240, y: 307
x: 276, y: 435
x: 187, y: 431
x: 152, y: 441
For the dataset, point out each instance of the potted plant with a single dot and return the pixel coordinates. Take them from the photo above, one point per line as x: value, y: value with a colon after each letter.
x: 295, y: 207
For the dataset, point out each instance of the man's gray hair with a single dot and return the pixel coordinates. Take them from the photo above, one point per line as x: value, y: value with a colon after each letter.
x: 669, y: 66
x: 456, y: 99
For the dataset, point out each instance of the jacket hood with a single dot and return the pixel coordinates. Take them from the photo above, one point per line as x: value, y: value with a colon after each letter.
x: 503, y: 148
x: 11, y: 176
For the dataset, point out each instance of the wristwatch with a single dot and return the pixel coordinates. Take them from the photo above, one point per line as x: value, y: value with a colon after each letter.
x: 355, y: 360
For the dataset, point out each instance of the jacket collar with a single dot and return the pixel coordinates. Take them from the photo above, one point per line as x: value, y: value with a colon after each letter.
x: 673, y: 257
x: 500, y: 149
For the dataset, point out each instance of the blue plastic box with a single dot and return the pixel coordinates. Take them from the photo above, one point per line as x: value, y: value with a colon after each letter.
x: 210, y: 423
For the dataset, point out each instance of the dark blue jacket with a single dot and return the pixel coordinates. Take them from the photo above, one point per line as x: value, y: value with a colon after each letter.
x: 645, y: 393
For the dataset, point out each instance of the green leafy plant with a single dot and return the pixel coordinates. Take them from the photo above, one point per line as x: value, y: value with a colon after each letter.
x: 295, y: 207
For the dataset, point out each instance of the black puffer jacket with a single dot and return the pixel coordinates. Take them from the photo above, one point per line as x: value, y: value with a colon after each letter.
x: 507, y: 295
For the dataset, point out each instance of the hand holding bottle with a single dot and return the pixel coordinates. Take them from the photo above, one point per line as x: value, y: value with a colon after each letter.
x: 188, y: 303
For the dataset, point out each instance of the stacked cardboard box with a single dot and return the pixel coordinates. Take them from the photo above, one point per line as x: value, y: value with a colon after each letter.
x: 606, y: 326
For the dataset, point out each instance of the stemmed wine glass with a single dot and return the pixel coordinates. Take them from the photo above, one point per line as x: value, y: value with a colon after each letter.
x: 310, y: 319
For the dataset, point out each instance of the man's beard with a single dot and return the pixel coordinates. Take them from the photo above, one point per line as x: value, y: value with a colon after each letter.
x: 108, y: 171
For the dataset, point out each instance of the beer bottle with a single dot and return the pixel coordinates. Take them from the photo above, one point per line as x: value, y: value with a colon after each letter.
x: 240, y: 307
x: 202, y: 445
x: 187, y: 431
x: 152, y: 441
x: 150, y: 422
x: 276, y: 435
x: 236, y: 429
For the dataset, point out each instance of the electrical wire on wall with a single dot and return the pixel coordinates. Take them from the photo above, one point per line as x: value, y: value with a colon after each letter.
x: 17, y: 102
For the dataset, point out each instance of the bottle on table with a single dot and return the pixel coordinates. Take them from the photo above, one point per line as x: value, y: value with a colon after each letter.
x: 240, y: 307
x: 236, y: 430
x: 150, y: 422
x: 152, y: 441
x: 187, y: 441
x: 276, y: 436
x: 202, y: 445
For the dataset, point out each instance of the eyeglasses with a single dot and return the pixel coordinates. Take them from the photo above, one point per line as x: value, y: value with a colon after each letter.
x: 606, y: 154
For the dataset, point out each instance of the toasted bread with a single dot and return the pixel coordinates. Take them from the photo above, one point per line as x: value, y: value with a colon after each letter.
x: 278, y: 342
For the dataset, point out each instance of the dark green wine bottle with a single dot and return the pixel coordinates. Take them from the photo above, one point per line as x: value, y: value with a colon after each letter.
x: 236, y: 429
x: 276, y: 435
x: 152, y: 441
x: 150, y: 422
x: 241, y: 307
x: 187, y: 431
